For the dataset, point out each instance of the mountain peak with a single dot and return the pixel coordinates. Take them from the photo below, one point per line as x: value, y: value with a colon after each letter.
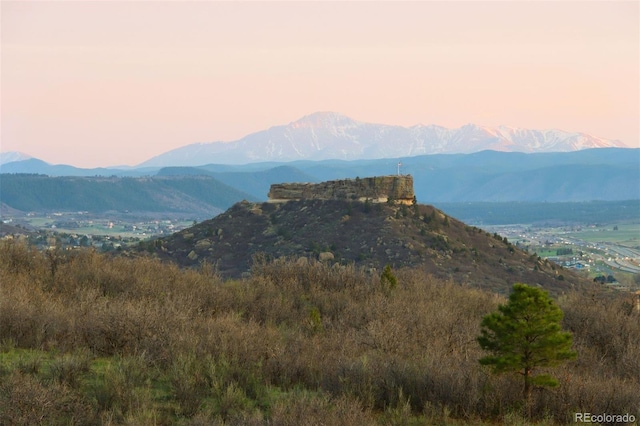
x: 11, y: 156
x: 323, y: 119
x: 330, y: 135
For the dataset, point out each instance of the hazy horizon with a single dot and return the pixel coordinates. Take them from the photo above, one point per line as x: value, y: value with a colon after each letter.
x: 116, y: 83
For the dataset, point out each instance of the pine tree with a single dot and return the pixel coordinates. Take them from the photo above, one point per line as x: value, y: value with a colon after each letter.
x: 388, y: 281
x: 524, y: 335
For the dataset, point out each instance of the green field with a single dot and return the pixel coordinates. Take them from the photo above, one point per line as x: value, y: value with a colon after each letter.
x: 627, y: 234
x: 99, y: 226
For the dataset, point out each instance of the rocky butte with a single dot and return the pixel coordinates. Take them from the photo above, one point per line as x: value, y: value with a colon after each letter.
x: 377, y: 189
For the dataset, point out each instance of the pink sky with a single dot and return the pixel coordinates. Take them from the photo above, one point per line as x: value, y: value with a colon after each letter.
x: 109, y: 83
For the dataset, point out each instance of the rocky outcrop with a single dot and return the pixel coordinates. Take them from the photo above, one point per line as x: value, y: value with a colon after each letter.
x: 376, y: 189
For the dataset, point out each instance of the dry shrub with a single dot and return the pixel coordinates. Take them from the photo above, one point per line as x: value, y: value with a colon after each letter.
x: 308, y: 409
x: 125, y: 328
x: 69, y: 369
x: 606, y: 375
x: 191, y: 381
x: 307, y: 275
x: 26, y: 401
x: 583, y: 393
x: 121, y: 391
x: 214, y: 387
x: 606, y: 332
x: 354, y: 347
x: 19, y: 258
x: 29, y: 316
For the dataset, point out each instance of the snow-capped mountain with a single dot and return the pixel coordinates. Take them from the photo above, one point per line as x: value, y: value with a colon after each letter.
x: 329, y: 135
x: 11, y: 156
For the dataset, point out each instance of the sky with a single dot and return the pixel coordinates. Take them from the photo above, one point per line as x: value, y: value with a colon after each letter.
x: 105, y: 83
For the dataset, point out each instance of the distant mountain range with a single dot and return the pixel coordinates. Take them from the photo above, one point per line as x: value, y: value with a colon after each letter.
x: 594, y: 174
x: 607, y: 174
x: 330, y: 135
x: 471, y: 163
x: 333, y: 136
x: 35, y: 165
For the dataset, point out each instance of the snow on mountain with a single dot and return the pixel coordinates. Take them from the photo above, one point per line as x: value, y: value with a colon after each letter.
x: 11, y: 156
x: 330, y: 135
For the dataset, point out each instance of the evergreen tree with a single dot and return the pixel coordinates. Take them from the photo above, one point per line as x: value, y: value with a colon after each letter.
x: 524, y: 335
x: 388, y: 281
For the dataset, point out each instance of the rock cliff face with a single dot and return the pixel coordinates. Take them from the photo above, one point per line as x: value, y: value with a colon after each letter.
x: 377, y: 189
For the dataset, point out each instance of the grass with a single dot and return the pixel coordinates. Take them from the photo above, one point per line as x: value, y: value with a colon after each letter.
x: 125, y: 390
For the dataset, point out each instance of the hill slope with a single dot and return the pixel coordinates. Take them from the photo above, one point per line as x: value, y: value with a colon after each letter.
x: 256, y: 183
x: 194, y: 194
x: 368, y: 235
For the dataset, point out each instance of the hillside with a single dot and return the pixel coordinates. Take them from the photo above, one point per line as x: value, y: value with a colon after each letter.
x: 194, y: 194
x: 255, y: 183
x: 368, y: 235
x: 92, y: 339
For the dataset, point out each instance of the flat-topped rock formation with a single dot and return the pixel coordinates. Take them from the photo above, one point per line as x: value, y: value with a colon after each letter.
x: 377, y: 189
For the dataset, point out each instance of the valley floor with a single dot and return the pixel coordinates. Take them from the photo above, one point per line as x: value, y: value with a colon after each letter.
x: 603, y: 249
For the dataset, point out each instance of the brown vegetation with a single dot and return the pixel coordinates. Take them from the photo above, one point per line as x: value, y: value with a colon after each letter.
x: 365, y: 234
x: 89, y: 339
